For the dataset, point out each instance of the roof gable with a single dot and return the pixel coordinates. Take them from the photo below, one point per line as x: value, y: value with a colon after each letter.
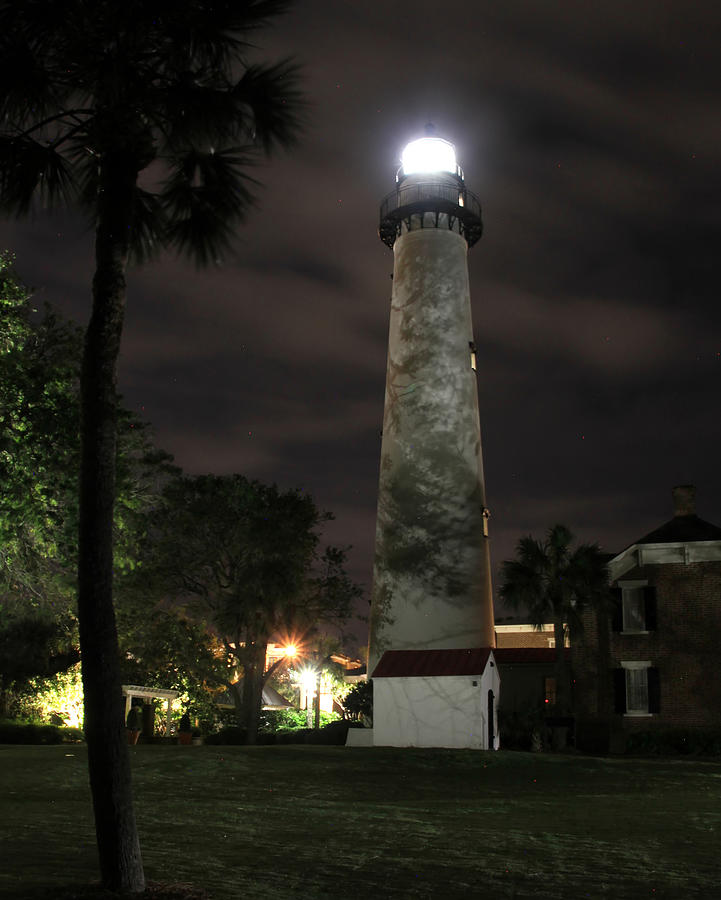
x: 421, y: 663
x: 683, y: 529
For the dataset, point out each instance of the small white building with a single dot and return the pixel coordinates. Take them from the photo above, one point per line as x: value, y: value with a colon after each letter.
x: 436, y: 698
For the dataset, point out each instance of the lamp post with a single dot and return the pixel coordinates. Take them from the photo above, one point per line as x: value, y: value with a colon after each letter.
x: 432, y: 577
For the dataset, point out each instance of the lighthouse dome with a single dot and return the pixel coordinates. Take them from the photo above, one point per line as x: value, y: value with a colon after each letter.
x: 427, y: 155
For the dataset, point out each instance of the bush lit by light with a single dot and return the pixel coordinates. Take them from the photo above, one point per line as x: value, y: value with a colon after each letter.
x: 60, y: 699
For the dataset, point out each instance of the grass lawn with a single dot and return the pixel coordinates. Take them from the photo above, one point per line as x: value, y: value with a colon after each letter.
x: 296, y: 821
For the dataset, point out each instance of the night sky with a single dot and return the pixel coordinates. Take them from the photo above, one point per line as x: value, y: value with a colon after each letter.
x: 591, y: 134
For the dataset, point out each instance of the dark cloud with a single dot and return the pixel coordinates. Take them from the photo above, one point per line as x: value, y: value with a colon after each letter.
x: 591, y: 134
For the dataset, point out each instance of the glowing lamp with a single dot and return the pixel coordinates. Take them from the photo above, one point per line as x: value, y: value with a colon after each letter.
x: 429, y: 154
x: 290, y: 650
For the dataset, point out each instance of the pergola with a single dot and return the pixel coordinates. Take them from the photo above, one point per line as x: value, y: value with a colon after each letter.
x: 150, y: 693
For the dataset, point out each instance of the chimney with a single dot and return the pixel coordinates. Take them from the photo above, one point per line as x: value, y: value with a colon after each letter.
x: 684, y: 500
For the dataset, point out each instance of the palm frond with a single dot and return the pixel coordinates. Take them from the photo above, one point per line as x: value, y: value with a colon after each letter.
x: 559, y: 538
x: 205, y: 197
x: 532, y: 553
x: 521, y: 585
x: 30, y: 169
x: 199, y: 34
x: 210, y: 34
x: 26, y: 92
x: 245, y: 18
x: 272, y: 99
x: 39, y: 21
x: 197, y: 113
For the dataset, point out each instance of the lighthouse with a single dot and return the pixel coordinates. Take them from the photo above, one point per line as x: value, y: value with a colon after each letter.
x: 432, y: 577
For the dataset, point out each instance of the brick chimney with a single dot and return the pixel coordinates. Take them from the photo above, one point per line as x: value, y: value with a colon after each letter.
x: 684, y: 500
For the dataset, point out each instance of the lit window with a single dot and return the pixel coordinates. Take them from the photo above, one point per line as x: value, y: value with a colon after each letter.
x: 472, y: 348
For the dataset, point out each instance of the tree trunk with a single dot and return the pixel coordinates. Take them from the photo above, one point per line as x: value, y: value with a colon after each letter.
x: 121, y: 866
x: 253, y: 668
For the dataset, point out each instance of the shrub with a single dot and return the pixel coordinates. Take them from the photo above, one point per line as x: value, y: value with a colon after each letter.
x: 332, y: 733
x: 12, y: 732
x: 279, y: 720
x: 517, y: 730
x: 230, y: 735
x: 675, y: 742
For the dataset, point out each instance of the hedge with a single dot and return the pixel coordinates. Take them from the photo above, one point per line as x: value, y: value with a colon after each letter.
x: 35, y: 733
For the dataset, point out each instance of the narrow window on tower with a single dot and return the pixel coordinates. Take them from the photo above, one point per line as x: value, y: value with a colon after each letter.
x: 472, y: 348
x: 486, y: 515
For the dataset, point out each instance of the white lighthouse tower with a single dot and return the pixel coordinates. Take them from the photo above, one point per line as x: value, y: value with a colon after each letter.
x: 432, y: 579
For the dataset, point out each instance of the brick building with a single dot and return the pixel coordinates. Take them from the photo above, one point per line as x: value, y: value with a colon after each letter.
x: 521, y: 634
x: 651, y: 659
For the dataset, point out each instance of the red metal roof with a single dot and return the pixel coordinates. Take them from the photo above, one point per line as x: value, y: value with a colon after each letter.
x: 508, y: 655
x: 418, y: 663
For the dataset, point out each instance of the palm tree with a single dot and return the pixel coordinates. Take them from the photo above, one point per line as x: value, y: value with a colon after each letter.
x: 145, y: 116
x: 549, y: 580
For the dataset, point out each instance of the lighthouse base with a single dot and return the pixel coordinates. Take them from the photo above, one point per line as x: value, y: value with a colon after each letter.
x: 359, y: 737
x: 436, y: 698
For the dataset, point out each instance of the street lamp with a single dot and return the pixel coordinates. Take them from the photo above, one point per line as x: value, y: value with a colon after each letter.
x: 309, y: 677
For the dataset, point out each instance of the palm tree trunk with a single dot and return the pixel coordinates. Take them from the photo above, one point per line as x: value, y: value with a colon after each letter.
x: 121, y: 865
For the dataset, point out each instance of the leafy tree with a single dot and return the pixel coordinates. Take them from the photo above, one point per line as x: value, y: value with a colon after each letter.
x: 39, y: 367
x: 33, y: 645
x: 161, y: 647
x: 246, y: 557
x: 39, y: 458
x: 358, y: 702
x: 96, y: 98
x: 39, y: 364
x: 550, y: 580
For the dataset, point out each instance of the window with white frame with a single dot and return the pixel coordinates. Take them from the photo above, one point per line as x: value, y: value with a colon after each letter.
x: 634, y: 609
x: 637, y: 688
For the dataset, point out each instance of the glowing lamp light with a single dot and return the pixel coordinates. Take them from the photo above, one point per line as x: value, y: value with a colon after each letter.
x: 429, y: 154
x: 308, y: 678
x: 290, y: 650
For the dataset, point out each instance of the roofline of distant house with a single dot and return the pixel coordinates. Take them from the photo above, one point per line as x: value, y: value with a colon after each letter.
x: 679, y: 552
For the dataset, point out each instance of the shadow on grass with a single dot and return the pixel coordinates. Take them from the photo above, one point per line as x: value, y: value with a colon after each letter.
x: 153, y: 891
